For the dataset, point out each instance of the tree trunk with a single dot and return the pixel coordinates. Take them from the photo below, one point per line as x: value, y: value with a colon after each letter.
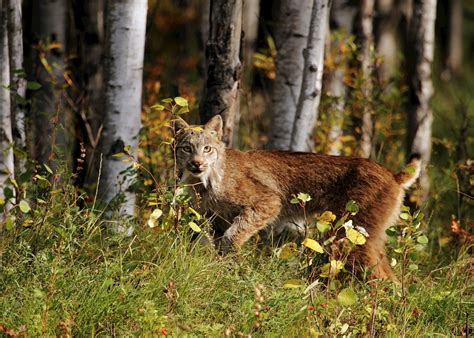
x: 18, y: 81
x: 420, y: 115
x: 6, y: 141
x: 342, y: 16
x: 223, y: 60
x: 310, y: 94
x: 366, y: 45
x: 125, y: 38
x: 89, y: 18
x: 291, y: 37
x: 250, y: 20
x: 49, y: 114
x: 454, y: 50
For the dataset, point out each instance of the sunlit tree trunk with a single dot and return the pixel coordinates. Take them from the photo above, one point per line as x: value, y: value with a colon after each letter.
x: 420, y: 115
x: 366, y: 45
x: 291, y: 38
x: 49, y: 114
x: 223, y: 65
x: 18, y: 81
x: 6, y: 141
x: 250, y: 21
x: 342, y: 19
x: 310, y: 94
x: 125, y: 44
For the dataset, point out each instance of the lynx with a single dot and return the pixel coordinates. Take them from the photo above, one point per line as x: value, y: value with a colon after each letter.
x: 249, y: 190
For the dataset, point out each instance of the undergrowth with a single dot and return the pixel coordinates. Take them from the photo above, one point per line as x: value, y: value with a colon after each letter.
x: 63, y: 273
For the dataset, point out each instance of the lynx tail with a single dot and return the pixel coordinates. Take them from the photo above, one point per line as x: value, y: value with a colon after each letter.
x: 410, y: 173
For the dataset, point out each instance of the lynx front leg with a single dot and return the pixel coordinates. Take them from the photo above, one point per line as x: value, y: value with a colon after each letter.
x: 249, y: 222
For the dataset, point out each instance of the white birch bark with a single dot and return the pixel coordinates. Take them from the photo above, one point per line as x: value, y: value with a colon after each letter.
x: 250, y: 20
x: 310, y: 94
x: 342, y: 16
x: 48, y: 113
x: 15, y: 49
x: 223, y: 49
x: 366, y: 44
x: 420, y: 116
x: 6, y: 141
x: 291, y: 37
x: 125, y: 38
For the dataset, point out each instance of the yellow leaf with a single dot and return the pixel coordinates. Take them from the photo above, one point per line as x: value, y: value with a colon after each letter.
x: 313, y: 245
x: 194, y: 226
x: 332, y: 268
x: 293, y: 284
x: 287, y: 251
x: 355, y: 236
x: 327, y: 216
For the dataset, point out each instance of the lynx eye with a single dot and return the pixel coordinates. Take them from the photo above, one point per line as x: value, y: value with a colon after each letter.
x: 207, y: 149
x: 186, y: 149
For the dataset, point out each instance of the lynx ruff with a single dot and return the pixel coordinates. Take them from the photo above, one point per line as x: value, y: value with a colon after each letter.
x: 250, y: 190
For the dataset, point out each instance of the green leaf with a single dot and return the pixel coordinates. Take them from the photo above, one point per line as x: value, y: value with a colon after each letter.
x: 405, y: 216
x: 194, y: 227
x: 2, y: 201
x: 158, y: 107
x: 24, y: 206
x: 9, y: 224
x: 413, y: 267
x: 182, y: 110
x: 48, y: 169
x: 31, y: 85
x: 329, y: 240
x: 313, y: 245
x: 293, y: 284
x: 355, y: 236
x: 323, y: 226
x: 181, y: 101
x: 347, y: 297
x: 422, y: 239
x: 118, y: 155
x: 352, y: 207
x: 391, y: 232
x: 168, y: 100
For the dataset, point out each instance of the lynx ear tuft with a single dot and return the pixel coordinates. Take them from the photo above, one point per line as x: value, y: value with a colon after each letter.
x: 215, y: 124
x: 179, y: 124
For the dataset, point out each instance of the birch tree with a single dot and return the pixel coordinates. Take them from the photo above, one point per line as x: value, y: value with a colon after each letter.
x: 18, y: 81
x: 49, y: 27
x: 125, y: 36
x: 342, y: 16
x: 223, y: 65
x: 420, y: 115
x: 310, y: 94
x: 251, y: 13
x: 291, y: 38
x: 366, y: 45
x: 6, y: 141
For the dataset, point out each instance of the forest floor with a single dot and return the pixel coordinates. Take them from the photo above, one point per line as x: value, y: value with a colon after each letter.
x: 62, y: 274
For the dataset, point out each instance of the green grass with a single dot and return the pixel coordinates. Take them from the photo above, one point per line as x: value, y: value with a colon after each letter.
x: 65, y: 274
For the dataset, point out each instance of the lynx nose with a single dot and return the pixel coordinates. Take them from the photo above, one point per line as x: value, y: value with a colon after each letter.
x: 196, y: 164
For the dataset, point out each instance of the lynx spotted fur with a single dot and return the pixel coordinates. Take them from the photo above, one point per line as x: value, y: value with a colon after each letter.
x: 250, y: 190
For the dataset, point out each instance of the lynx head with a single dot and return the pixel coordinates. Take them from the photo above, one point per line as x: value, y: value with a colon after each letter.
x: 199, y: 148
